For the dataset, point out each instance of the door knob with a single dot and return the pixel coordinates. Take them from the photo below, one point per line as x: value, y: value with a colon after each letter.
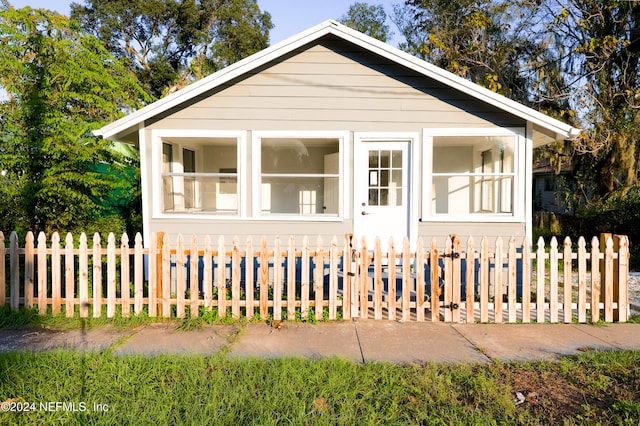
x: 364, y: 213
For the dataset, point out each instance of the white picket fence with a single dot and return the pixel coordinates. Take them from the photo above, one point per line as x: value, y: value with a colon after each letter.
x: 341, y: 280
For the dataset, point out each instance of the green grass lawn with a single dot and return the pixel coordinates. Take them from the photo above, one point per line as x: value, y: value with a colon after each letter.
x: 102, y: 388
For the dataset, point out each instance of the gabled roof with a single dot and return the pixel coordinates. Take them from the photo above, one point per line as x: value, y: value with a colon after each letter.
x: 128, y: 124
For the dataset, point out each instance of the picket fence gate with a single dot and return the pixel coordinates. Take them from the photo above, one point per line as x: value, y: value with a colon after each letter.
x: 344, y: 280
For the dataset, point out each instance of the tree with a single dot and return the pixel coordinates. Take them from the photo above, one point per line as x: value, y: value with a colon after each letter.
x: 602, y: 41
x: 369, y: 20
x: 171, y: 43
x: 58, y: 86
x: 481, y: 40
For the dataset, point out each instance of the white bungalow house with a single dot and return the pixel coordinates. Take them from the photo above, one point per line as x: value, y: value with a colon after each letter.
x: 331, y: 132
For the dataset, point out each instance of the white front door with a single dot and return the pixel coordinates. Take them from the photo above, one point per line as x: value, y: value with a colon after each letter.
x: 381, y: 193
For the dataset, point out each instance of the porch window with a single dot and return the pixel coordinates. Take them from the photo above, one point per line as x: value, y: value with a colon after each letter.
x: 473, y: 175
x: 200, y: 175
x: 299, y: 176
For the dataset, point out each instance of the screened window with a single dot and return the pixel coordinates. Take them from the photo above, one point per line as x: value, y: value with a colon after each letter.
x: 203, y: 177
x: 300, y: 176
x: 473, y: 175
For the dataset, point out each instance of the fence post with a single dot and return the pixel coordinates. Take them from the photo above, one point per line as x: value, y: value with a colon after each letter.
x: 616, y: 289
x: 97, y: 276
x: 154, y: 276
x: 596, y: 280
x: 69, y: 276
x: 318, y: 284
x: 498, y: 287
x: 236, y: 274
x: 377, y: 279
x: 165, y: 267
x: 277, y: 280
x: 553, y: 281
x: 83, y: 266
x: 304, y: 282
x: 623, y: 275
x: 435, y: 281
x: 159, y: 275
x: 250, y: 281
x: 392, y: 305
x: 609, y: 280
x: 470, y: 298
x: 194, y: 288
x: 512, y: 291
x: 568, y: 284
x: 582, y: 280
x: 420, y: 281
x: 540, y: 278
x: 56, y: 276
x: 14, y: 270
x: 207, y: 278
x: 333, y: 278
x: 448, y: 279
x: 457, y: 279
x: 263, y: 278
x: 3, y: 278
x: 347, y: 275
x: 484, y: 280
x: 139, y: 275
x: 181, y: 277
x: 125, y: 290
x: 364, y: 280
x: 111, y: 275
x: 42, y: 274
x: 526, y: 281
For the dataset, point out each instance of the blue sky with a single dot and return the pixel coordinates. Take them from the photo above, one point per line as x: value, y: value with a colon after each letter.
x: 289, y: 16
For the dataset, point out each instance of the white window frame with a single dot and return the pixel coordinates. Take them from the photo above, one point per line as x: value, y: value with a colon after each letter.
x: 519, y: 191
x: 157, y: 136
x: 256, y: 173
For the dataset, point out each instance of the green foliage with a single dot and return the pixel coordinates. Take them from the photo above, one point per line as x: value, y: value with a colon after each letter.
x: 368, y: 19
x: 602, y: 38
x: 476, y: 39
x: 170, y: 43
x: 617, y: 214
x: 60, y: 85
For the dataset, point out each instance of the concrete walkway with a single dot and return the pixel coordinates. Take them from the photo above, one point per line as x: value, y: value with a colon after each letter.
x: 361, y: 341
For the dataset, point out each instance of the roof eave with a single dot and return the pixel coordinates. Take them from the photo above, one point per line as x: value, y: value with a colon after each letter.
x: 560, y: 129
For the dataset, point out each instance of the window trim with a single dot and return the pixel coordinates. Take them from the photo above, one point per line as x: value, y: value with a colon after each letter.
x: 519, y: 191
x: 157, y: 136
x: 256, y: 173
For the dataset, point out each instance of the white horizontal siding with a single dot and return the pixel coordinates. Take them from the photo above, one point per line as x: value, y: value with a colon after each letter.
x: 321, y: 85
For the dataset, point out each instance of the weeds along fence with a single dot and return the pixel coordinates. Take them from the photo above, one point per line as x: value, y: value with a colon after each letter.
x: 343, y: 279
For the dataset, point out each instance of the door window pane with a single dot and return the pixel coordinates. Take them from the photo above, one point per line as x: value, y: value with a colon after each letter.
x: 385, y: 178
